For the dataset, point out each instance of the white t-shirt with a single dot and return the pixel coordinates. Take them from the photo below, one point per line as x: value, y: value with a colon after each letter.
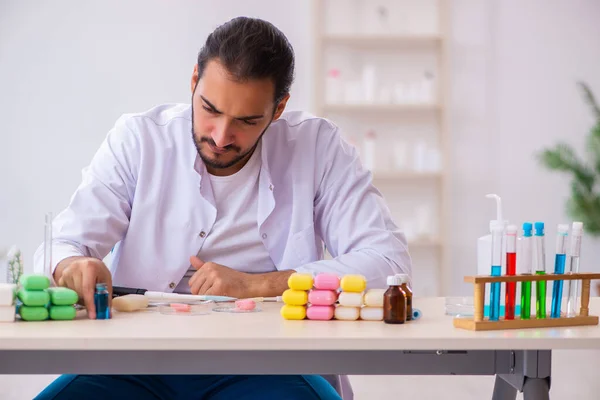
x: 234, y: 240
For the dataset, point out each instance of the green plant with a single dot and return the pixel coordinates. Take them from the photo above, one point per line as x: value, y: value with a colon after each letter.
x: 584, y: 202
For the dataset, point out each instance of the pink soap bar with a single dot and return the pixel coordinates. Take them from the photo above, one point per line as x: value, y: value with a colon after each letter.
x: 245, y: 304
x: 320, y: 313
x: 181, y: 307
x: 325, y: 281
x: 322, y: 297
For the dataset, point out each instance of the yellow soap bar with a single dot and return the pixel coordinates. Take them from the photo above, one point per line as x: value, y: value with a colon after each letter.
x: 299, y: 281
x: 293, y: 312
x: 295, y: 297
x: 353, y: 283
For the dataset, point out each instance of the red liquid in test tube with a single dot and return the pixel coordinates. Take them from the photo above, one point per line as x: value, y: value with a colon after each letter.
x: 511, y: 269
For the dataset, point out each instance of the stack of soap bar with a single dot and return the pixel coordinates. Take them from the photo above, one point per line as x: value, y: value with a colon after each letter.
x: 7, y: 302
x: 41, y: 302
x: 34, y: 296
x: 296, y: 297
x: 351, y: 298
x: 323, y: 297
x: 62, y: 303
x: 373, y: 305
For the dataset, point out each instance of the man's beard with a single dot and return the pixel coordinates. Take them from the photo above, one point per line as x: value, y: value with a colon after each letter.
x: 215, y: 163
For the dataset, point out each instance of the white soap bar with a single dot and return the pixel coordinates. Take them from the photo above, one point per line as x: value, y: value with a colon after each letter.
x: 350, y: 299
x: 347, y: 313
x: 374, y: 297
x: 371, y: 313
x: 7, y: 294
x: 7, y: 313
x: 130, y: 302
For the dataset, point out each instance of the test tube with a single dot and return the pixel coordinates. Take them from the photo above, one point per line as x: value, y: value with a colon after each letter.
x: 559, y: 268
x: 101, y: 301
x: 540, y: 269
x: 497, y: 237
x: 576, y: 235
x: 525, y: 260
x: 48, y: 245
x: 511, y: 269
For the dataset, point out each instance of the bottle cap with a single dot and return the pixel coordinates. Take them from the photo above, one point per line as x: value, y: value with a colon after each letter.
x: 100, y: 286
x: 394, y: 280
x: 563, y: 229
x: 577, y: 228
x: 527, y: 229
x: 511, y: 230
x: 403, y: 277
x: 539, y: 228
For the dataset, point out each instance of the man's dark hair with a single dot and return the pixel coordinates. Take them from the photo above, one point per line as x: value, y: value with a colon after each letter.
x: 251, y: 48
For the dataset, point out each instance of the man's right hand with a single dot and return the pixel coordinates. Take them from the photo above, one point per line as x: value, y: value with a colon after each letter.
x: 81, y: 274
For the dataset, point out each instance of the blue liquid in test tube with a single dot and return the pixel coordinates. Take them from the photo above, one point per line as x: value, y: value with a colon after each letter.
x: 101, y: 301
x: 559, y: 268
x: 497, y: 236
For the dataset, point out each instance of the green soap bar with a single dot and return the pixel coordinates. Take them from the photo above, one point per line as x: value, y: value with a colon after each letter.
x: 62, y: 296
x: 62, y: 312
x: 33, y: 313
x: 34, y: 282
x: 33, y: 298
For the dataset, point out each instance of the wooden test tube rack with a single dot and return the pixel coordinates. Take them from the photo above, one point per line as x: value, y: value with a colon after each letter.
x: 479, y: 323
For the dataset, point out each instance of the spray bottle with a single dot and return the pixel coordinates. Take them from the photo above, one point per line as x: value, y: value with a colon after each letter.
x: 484, y: 248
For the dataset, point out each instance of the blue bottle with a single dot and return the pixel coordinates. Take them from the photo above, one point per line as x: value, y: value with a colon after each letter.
x: 101, y: 301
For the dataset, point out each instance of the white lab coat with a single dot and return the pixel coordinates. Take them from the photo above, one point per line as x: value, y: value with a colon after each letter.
x: 145, y: 190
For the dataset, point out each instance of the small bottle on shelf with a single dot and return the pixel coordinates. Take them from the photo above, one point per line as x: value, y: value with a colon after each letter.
x: 369, y: 150
x: 394, y: 302
x: 333, y: 87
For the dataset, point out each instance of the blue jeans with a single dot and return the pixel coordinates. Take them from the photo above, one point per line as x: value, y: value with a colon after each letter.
x: 187, y: 387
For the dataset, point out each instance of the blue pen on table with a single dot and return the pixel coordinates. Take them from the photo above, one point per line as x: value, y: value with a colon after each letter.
x: 559, y: 268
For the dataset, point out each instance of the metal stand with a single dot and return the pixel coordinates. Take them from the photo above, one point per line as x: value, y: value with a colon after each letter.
x: 529, y: 373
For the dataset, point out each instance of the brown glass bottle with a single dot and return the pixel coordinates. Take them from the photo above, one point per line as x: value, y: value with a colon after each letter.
x: 394, y: 302
x: 409, y: 295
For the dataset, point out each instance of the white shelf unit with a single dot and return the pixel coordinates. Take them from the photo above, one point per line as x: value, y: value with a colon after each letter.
x: 355, y: 42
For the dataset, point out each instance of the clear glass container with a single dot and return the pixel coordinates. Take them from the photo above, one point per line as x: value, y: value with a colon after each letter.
x: 200, y: 308
x: 460, y: 306
x: 232, y: 308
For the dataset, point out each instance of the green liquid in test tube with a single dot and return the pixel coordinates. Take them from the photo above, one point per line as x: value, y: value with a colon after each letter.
x: 525, y: 263
x: 540, y: 269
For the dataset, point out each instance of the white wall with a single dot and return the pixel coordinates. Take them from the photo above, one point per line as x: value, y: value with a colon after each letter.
x: 515, y: 64
x: 69, y: 69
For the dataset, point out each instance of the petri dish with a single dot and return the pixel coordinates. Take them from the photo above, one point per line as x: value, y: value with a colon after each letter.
x: 203, y: 308
x: 231, y: 308
x: 460, y: 306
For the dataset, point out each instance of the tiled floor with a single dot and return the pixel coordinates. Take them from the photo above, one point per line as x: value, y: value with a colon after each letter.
x: 575, y: 376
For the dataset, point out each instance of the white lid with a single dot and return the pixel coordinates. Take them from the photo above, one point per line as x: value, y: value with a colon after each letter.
x: 511, y: 230
x: 563, y: 229
x: 394, y: 280
x: 577, y: 228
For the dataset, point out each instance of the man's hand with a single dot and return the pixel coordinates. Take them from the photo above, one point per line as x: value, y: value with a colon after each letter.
x: 215, y: 279
x: 81, y: 274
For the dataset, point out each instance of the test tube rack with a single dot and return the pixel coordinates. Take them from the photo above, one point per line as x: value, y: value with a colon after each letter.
x: 479, y: 323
